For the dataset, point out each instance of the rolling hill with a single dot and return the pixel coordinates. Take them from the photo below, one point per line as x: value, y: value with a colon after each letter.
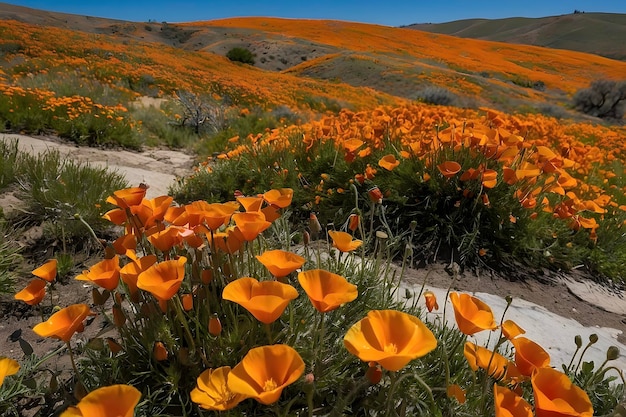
x: 299, y: 63
x: 595, y: 33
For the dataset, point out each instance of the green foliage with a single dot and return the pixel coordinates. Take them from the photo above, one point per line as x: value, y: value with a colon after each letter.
x: 10, y: 160
x: 605, y: 99
x: 9, y: 259
x: 437, y: 95
x: 242, y: 55
x: 57, y: 191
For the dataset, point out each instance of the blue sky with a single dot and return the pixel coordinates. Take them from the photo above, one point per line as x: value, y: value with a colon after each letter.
x: 384, y: 12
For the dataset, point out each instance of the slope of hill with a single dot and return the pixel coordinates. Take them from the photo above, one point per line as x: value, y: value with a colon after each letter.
x: 595, y: 33
x: 299, y: 62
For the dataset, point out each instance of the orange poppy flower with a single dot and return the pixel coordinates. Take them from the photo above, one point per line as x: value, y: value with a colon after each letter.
x: 265, y: 300
x: 529, y: 355
x: 279, y: 197
x: 388, y: 162
x: 112, y: 401
x: 265, y: 371
x: 509, y: 404
x: 455, y: 391
x: 163, y: 279
x: 127, y: 197
x: 556, y: 396
x: 125, y: 244
x: 47, y: 271
x: 471, y: 314
x: 391, y: 338
x: 327, y: 291
x: 64, y: 323
x: 251, y: 224
x: 149, y: 212
x: 431, y: 301
x: 449, y: 168
x: 489, y: 178
x: 116, y: 216
x: 480, y: 357
x: 511, y: 330
x: 8, y: 367
x: 251, y: 203
x: 229, y: 241
x: 281, y: 263
x: 212, y: 392
x: 105, y: 274
x: 34, y: 292
x: 214, y: 215
x: 165, y: 239
x: 351, y: 145
x: 343, y: 241
x: 131, y: 270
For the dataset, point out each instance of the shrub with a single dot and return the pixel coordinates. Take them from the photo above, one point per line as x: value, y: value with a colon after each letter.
x: 242, y: 55
x: 437, y: 95
x: 605, y: 99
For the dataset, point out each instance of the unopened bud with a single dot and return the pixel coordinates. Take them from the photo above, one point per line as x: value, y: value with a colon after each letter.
x: 612, y: 353
x: 593, y: 338
x: 215, y: 326
x: 578, y: 341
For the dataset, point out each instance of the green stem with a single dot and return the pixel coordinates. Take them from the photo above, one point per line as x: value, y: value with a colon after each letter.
x: 78, y: 376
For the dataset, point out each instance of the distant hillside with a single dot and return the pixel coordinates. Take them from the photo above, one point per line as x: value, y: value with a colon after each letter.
x: 298, y: 62
x: 596, y: 33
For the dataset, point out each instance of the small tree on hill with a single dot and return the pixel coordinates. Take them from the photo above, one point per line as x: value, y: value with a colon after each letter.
x: 241, y: 55
x: 604, y: 98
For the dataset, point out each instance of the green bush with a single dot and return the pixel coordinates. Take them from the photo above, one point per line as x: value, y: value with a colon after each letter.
x: 242, y: 55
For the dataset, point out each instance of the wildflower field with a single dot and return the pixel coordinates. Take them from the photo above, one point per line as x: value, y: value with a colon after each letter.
x: 269, y: 281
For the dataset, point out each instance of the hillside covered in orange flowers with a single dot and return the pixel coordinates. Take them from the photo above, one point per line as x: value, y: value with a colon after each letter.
x: 298, y: 63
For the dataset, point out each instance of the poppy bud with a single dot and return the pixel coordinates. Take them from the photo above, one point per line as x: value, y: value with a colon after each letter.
x: 375, y: 195
x: 314, y: 224
x: 306, y: 238
x: 215, y: 327
x: 353, y: 222
x: 578, y: 341
x: 431, y: 301
x: 159, y: 352
x: 114, y: 347
x: 374, y: 374
x: 118, y: 316
x: 593, y: 338
x: 187, y: 301
x: 612, y: 353
x: 206, y: 276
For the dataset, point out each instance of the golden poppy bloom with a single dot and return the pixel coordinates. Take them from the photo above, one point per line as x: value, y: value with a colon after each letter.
x: 214, y: 215
x: 471, y: 314
x: 112, y: 401
x: 480, y: 357
x: 489, y: 178
x: 389, y: 162
x: 8, y: 367
x: 149, y: 212
x: 250, y: 203
x: 64, y: 323
x: 391, y: 338
x: 212, y: 392
x: 105, y: 274
x: 265, y: 300
x: 509, y: 404
x: 34, y: 292
x: 127, y: 197
x: 431, y: 301
x: 455, y: 391
x: 529, y: 355
x: 166, y: 239
x: 47, y: 271
x: 343, y: 241
x: 511, y: 330
x: 229, y: 241
x: 353, y: 222
x: 556, y: 396
x: 251, y: 224
x: 280, y: 197
x: 131, y: 270
x: 449, y: 168
x: 281, y: 263
x: 265, y: 371
x: 163, y: 279
x: 327, y: 291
